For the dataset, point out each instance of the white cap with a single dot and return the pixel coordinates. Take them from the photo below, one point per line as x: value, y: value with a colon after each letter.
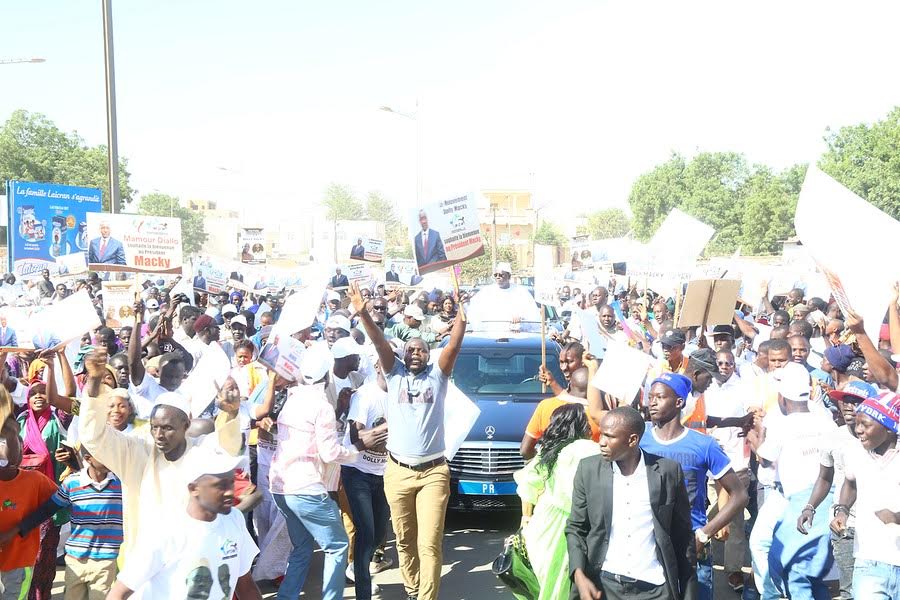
x: 175, y: 400
x: 332, y: 295
x: 793, y: 382
x: 152, y: 303
x: 207, y: 459
x: 503, y: 267
x: 415, y: 312
x: 346, y: 346
x: 212, y: 312
x: 229, y: 308
x: 239, y: 319
x: 316, y: 362
x: 338, y: 322
x: 119, y: 393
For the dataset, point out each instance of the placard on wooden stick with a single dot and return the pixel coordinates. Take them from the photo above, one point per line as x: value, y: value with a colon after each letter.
x: 708, y: 302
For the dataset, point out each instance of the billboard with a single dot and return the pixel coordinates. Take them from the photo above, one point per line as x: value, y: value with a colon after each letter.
x: 253, y: 245
x: 47, y: 221
x: 134, y: 243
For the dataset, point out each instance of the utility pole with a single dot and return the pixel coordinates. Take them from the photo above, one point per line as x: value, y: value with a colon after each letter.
x: 112, y: 147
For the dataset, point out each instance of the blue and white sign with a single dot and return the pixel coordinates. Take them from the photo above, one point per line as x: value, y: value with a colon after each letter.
x: 47, y: 221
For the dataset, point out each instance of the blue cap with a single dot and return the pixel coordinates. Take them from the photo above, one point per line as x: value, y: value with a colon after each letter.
x: 679, y: 384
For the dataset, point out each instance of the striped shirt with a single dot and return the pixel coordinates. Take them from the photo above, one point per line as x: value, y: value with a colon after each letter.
x: 96, y: 515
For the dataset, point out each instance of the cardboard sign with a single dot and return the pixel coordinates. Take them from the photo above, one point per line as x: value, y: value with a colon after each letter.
x: 445, y: 233
x: 68, y: 319
x: 72, y: 264
x: 253, y: 245
x: 118, y: 303
x: 622, y: 371
x: 206, y: 377
x: 708, y: 302
x: 594, y: 341
x: 580, y: 251
x: 460, y: 414
x: 282, y: 354
x: 359, y: 272
x: 865, y: 290
x: 671, y: 255
x: 300, y: 308
x: 367, y: 249
x: 134, y: 243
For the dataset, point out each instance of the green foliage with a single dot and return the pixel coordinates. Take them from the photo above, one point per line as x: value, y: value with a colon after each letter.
x: 396, y: 243
x: 342, y: 204
x: 193, y: 233
x: 480, y: 270
x: 750, y: 207
x: 605, y: 224
x: 866, y: 159
x: 33, y: 148
x: 549, y: 234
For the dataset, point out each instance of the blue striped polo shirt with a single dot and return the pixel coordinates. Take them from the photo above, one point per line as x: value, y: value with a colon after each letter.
x: 96, y: 515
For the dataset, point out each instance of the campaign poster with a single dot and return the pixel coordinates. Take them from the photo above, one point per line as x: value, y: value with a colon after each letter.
x: 401, y: 271
x: 134, y: 243
x: 283, y: 354
x: 581, y: 252
x: 253, y: 245
x: 358, y: 272
x: 367, y: 249
x: 211, y: 274
x: 47, y: 221
x: 72, y: 264
x: 445, y: 233
x: 118, y: 303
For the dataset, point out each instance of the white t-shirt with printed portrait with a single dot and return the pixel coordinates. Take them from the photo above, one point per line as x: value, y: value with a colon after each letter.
x: 367, y: 405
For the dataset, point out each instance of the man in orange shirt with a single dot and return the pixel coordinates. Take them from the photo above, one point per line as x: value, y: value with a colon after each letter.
x: 21, y: 493
x: 540, y: 420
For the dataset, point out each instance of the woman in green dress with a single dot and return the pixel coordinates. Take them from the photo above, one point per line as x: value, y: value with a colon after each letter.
x: 546, y: 483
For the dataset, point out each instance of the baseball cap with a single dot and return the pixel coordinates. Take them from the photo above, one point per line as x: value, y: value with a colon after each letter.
x: 338, y: 322
x: 229, y: 309
x: 840, y: 356
x: 152, y: 303
x: 723, y: 330
x: 345, y: 347
x: 885, y: 409
x: 207, y: 459
x: 503, y: 267
x: 792, y: 381
x: 175, y: 400
x: 672, y: 337
x: 855, y: 391
x: 331, y: 296
x: 706, y: 359
x: 679, y: 384
x: 415, y: 312
x: 239, y: 319
x: 212, y: 312
x: 316, y: 362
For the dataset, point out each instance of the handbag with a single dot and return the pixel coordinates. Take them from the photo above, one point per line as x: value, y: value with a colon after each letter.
x: 514, y: 569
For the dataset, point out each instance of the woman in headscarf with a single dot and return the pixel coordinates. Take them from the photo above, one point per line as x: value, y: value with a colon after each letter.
x: 41, y: 437
x: 444, y: 318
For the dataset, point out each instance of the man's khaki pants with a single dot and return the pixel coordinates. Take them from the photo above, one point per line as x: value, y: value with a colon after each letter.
x: 347, y: 518
x: 418, y: 501
x: 88, y: 579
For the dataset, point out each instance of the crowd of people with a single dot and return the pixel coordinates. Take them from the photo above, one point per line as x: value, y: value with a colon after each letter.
x: 775, y: 433
x: 168, y: 461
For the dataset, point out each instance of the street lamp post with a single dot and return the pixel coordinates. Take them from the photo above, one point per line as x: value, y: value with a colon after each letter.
x: 112, y: 147
x: 414, y: 117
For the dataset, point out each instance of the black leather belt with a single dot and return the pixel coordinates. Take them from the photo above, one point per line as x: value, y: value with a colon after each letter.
x: 422, y: 466
x: 625, y: 580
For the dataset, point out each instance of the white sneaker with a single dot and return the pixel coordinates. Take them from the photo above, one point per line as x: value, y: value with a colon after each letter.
x: 349, y: 573
x: 376, y: 589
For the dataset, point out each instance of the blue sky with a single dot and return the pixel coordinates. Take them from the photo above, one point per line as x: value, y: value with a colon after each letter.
x: 574, y: 98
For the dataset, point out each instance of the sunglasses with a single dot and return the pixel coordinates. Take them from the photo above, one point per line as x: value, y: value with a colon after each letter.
x: 723, y: 363
x: 380, y: 308
x: 500, y: 275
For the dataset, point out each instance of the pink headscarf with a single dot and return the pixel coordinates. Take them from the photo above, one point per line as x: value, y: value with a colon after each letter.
x: 34, y: 439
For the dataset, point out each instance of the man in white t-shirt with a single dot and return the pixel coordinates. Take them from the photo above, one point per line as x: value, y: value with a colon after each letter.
x: 205, y: 553
x: 792, y: 442
x: 872, y: 481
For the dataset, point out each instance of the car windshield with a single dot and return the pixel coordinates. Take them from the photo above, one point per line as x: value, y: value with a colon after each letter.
x: 506, y: 373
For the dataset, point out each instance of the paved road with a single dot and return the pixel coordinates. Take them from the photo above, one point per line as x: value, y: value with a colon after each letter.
x: 470, y: 544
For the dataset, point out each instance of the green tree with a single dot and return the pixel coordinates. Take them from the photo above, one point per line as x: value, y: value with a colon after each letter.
x: 396, y: 243
x: 480, y: 270
x: 866, y: 159
x: 769, y: 207
x: 342, y: 204
x: 714, y: 190
x: 654, y: 194
x: 193, y: 232
x: 605, y: 224
x: 550, y: 234
x: 33, y: 148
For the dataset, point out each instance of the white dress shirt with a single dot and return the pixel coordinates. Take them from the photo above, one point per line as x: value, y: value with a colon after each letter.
x: 632, y: 541
x: 728, y: 400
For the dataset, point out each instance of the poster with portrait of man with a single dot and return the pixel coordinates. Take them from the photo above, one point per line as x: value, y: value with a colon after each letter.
x: 134, y: 243
x: 401, y: 271
x: 445, y: 233
x: 253, y: 245
x: 367, y: 249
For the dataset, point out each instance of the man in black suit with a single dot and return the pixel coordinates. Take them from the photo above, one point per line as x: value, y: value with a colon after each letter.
x: 339, y: 281
x: 393, y: 275
x: 633, y: 539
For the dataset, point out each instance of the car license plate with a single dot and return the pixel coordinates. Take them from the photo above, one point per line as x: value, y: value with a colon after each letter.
x: 487, y: 488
